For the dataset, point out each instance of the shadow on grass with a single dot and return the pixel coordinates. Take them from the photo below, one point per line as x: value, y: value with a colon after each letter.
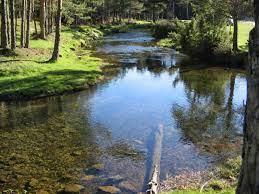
x: 7, y: 53
x: 19, y: 60
x: 47, y: 84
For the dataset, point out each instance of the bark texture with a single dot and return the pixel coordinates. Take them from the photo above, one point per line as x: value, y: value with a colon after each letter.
x: 55, y: 54
x: 42, y: 19
x: 23, y: 23
x: 235, y: 35
x: 4, y: 34
x: 249, y: 175
x: 28, y: 19
x: 12, y: 20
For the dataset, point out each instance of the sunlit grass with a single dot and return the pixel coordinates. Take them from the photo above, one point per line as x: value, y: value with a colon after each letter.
x: 244, y: 29
x: 27, y: 75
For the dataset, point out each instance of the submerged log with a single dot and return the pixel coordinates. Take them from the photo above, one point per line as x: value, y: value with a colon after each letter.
x: 153, y: 185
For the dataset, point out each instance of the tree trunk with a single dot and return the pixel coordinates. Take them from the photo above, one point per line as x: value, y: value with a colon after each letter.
x: 4, y: 35
x: 235, y: 35
x: 55, y: 54
x: 23, y: 23
x: 249, y: 175
x: 16, y: 21
x: 47, y: 17
x: 27, y: 43
x: 42, y: 19
x: 187, y: 10
x: 8, y: 23
x: 256, y: 13
x: 12, y: 18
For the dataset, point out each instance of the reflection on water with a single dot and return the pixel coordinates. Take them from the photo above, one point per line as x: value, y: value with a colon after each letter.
x: 104, y: 136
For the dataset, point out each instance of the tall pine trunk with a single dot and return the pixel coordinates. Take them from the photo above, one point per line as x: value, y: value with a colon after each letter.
x: 28, y: 20
x: 47, y: 17
x: 235, y: 35
x: 249, y: 173
x: 55, y: 54
x: 8, y: 23
x: 42, y: 19
x: 4, y: 35
x: 23, y: 23
x: 12, y: 18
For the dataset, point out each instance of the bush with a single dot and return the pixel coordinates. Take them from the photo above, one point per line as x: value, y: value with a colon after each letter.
x: 163, y: 28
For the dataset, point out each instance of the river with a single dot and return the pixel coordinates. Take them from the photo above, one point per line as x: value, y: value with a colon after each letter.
x: 105, y: 135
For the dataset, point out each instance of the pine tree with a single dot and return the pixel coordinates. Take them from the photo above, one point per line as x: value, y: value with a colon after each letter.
x: 28, y: 19
x: 55, y: 54
x: 23, y: 23
x: 4, y: 33
x: 42, y: 19
x: 12, y: 18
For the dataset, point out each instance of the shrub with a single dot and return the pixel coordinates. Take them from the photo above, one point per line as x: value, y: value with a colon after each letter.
x: 163, y: 28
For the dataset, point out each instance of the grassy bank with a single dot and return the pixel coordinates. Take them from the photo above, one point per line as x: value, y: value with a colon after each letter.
x: 229, y: 191
x: 25, y: 75
x: 220, y: 180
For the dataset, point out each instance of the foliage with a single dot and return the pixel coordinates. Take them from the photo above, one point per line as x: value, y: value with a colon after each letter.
x: 163, y: 28
x: 230, y: 169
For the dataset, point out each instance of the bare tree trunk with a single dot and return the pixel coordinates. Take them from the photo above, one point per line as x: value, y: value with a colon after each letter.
x: 34, y: 17
x: 4, y: 35
x: 235, y: 35
x: 12, y: 18
x: 42, y: 19
x: 55, y: 54
x: 47, y: 17
x: 249, y: 175
x: 256, y: 14
x: 16, y: 21
x: 27, y: 43
x: 23, y: 23
x: 8, y: 22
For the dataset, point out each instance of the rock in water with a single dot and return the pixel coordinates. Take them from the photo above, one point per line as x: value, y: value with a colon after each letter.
x: 108, y: 190
x: 88, y: 178
x: 42, y: 192
x: 73, y: 189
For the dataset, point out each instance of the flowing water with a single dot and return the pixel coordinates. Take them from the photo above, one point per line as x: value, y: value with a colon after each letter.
x: 106, y: 135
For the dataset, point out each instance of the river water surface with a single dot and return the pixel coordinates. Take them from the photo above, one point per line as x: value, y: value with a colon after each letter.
x: 105, y: 135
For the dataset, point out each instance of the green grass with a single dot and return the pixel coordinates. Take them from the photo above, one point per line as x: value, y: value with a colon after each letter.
x: 243, y: 34
x: 231, y: 191
x: 26, y: 76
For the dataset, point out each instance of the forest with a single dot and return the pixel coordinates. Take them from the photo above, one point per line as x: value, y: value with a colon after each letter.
x: 129, y: 96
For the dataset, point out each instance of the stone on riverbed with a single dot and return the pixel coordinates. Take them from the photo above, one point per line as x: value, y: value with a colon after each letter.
x: 72, y: 189
x: 108, y: 190
x: 42, y: 192
x: 95, y: 169
x: 88, y: 178
x: 34, y: 183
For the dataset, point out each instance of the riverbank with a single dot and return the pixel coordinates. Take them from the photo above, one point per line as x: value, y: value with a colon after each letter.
x: 222, y: 179
x: 222, y: 55
x: 27, y: 75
